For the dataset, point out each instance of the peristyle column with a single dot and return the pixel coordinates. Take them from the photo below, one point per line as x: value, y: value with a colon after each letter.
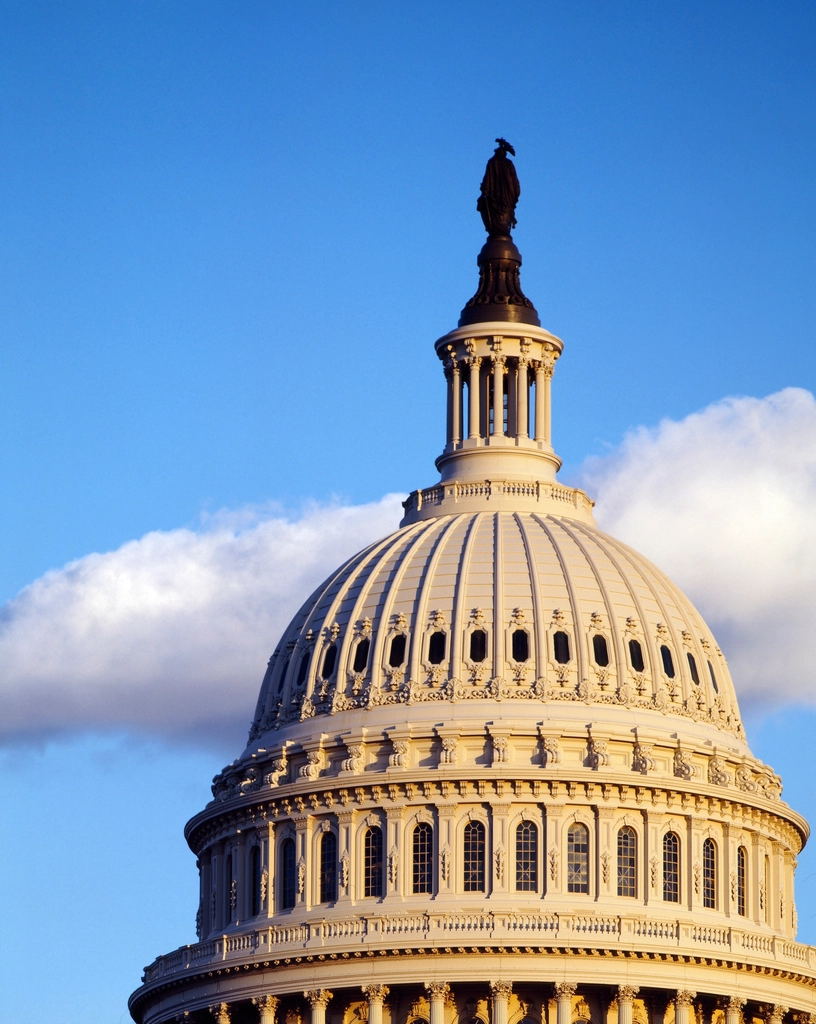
x: 564, y: 991
x: 319, y: 1000
x: 376, y: 997
x: 733, y: 1010
x: 682, y: 1006
x: 267, y: 1005
x: 474, y: 365
x: 626, y: 996
x: 437, y: 994
x: 501, y: 992
x: 221, y: 1013
x: 499, y: 364
x: 454, y: 380
x: 522, y: 397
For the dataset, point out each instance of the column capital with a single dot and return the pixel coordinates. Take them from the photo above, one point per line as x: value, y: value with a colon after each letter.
x: 626, y: 993
x: 499, y: 362
x: 437, y: 989
x: 501, y: 988
x: 735, y: 1003
x: 266, y: 1002
x: 474, y: 362
x: 685, y: 997
x: 221, y: 1013
x: 565, y: 989
x: 318, y: 997
x: 375, y: 993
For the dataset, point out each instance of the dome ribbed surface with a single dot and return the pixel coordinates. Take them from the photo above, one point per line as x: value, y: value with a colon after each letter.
x: 500, y: 573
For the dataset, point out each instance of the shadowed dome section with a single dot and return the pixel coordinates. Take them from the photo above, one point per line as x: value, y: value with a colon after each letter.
x: 499, y: 607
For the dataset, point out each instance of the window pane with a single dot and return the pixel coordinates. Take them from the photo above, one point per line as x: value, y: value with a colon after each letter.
x: 302, y: 669
x: 578, y: 859
x: 668, y: 661
x: 436, y: 648
x: 521, y: 645
x: 709, y: 874
x: 397, y: 655
x: 328, y: 868
x: 423, y: 858
x: 474, y: 857
x: 527, y: 857
x: 561, y: 647
x: 329, y: 659
x: 671, y: 868
x: 713, y: 677
x: 361, y: 655
x: 627, y: 862
x: 287, y: 860
x: 695, y: 677
x: 600, y: 650
x: 478, y: 645
x: 373, y: 866
x: 636, y: 655
x: 742, y: 871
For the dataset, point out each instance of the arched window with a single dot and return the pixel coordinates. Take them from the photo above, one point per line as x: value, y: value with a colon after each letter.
x: 627, y: 861
x: 636, y: 655
x: 695, y: 676
x: 561, y: 647
x: 436, y: 648
x: 527, y: 857
x: 361, y: 655
x: 373, y: 862
x: 255, y: 880
x: 671, y: 868
x: 600, y: 650
x: 578, y: 858
x: 713, y: 677
x: 229, y: 887
x: 423, y: 858
x: 709, y: 874
x: 329, y: 661
x: 767, y: 900
x: 742, y: 880
x: 521, y: 645
x: 668, y: 661
x: 397, y: 655
x: 478, y: 645
x: 288, y: 887
x: 474, y: 857
x: 328, y: 867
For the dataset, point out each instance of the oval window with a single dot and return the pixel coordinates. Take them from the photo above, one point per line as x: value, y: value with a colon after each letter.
x: 329, y: 661
x: 636, y: 655
x: 668, y: 661
x: 361, y: 655
x: 397, y: 654
x: 695, y: 678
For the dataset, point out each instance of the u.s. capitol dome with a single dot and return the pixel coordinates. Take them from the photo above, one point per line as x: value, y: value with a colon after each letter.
x: 497, y: 772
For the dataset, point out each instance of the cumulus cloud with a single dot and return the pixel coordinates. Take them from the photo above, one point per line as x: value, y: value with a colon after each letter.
x: 724, y: 501
x: 170, y: 634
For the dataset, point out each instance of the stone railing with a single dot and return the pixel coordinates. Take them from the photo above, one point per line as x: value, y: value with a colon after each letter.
x: 454, y: 932
x: 467, y: 496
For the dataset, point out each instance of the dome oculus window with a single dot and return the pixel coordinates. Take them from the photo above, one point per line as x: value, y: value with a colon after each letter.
x: 713, y: 678
x: 329, y: 661
x: 478, y: 645
x: 282, y: 676
x: 361, y: 655
x: 436, y: 648
x: 396, y: 655
x: 600, y: 650
x: 303, y: 668
x: 695, y: 676
x: 561, y: 647
x: 521, y: 645
x: 668, y: 661
x: 636, y: 655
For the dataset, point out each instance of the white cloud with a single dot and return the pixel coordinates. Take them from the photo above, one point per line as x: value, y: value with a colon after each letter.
x: 724, y: 501
x: 171, y: 633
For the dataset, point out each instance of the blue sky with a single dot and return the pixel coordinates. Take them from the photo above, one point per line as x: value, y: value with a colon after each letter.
x: 231, y: 233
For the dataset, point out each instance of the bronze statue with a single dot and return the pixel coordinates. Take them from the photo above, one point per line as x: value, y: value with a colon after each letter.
x: 500, y: 191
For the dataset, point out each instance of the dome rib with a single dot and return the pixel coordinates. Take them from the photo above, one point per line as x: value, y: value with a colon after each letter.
x: 538, y: 613
x: 460, y: 612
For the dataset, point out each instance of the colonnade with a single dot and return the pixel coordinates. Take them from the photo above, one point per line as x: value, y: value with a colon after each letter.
x: 487, y: 380
x: 439, y: 995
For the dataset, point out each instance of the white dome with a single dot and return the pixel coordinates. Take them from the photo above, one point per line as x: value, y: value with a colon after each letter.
x: 500, y: 574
